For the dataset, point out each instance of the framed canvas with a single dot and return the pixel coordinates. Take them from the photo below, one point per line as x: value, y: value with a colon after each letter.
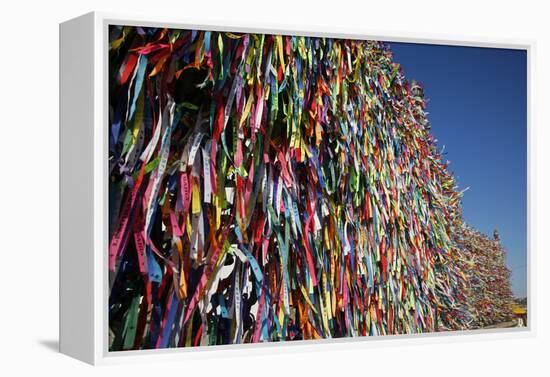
x: 235, y: 188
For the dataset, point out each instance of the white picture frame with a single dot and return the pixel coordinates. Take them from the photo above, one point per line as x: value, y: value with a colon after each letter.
x: 84, y: 191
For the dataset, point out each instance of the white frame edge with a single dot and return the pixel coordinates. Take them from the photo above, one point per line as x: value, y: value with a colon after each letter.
x: 76, y: 196
x: 92, y: 347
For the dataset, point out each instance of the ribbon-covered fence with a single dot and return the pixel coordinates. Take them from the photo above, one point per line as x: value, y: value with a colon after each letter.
x: 271, y: 188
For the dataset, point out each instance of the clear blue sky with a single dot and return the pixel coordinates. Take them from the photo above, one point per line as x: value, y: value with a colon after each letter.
x: 478, y: 111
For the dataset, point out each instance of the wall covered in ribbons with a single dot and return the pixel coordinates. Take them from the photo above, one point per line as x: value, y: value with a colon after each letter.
x: 270, y: 188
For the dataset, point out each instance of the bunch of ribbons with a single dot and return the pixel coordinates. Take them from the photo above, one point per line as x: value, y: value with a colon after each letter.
x: 488, y: 292
x: 272, y: 188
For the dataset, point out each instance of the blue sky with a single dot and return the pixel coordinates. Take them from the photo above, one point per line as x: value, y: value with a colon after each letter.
x: 478, y: 111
